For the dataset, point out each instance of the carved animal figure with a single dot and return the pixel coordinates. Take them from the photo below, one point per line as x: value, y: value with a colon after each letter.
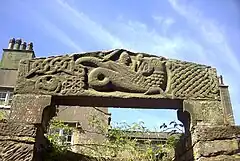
x: 126, y: 74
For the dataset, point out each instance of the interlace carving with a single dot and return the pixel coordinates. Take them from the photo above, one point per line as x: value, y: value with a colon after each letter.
x: 73, y: 85
x: 193, y: 80
x: 122, y: 71
x: 57, y: 75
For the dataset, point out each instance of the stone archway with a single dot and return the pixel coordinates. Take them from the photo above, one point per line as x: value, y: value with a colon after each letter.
x: 119, y: 78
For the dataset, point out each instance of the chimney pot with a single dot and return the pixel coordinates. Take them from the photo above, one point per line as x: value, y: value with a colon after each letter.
x: 30, y: 46
x: 221, y: 80
x: 11, y: 43
x: 17, y: 44
x: 23, y: 46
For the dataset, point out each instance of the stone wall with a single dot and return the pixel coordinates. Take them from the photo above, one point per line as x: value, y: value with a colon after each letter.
x: 206, y: 143
x: 17, y: 142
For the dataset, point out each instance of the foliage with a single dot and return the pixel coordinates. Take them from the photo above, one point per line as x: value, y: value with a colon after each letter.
x: 57, y: 140
x: 118, y: 143
x: 3, y: 115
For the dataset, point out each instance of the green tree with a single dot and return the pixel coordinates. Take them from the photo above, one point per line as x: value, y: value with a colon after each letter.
x: 118, y: 143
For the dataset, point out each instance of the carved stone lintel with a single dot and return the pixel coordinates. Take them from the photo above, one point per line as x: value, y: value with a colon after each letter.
x: 117, y: 71
x: 28, y: 108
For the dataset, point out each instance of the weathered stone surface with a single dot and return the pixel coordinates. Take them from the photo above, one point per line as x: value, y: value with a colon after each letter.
x: 216, y: 147
x: 100, y: 73
x: 204, y: 112
x: 226, y: 103
x: 18, y: 138
x: 221, y: 158
x: 17, y: 129
x: 16, y: 151
x: 208, y: 142
x: 211, y: 141
x: 204, y: 133
x: 11, y: 58
x: 8, y: 78
x: 27, y: 108
x: 17, y: 142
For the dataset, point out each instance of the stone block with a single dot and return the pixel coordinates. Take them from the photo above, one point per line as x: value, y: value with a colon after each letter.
x: 221, y: 158
x: 17, y: 142
x: 27, y: 108
x: 204, y: 133
x: 17, y: 129
x: 213, y: 148
x: 204, y: 113
x: 16, y: 151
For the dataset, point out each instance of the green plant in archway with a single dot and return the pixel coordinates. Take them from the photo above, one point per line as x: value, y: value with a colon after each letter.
x: 119, y: 143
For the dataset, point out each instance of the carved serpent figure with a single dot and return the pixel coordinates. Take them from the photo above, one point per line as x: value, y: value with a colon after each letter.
x: 122, y: 76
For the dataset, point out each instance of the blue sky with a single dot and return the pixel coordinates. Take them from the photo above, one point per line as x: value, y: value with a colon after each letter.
x: 206, y: 31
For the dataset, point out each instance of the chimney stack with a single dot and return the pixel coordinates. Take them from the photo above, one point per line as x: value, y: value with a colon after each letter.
x: 16, y: 50
x: 18, y: 44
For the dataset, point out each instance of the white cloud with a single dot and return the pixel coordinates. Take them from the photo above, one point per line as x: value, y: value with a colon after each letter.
x: 44, y: 24
x: 140, y: 120
x: 211, y: 31
x: 135, y: 36
x: 164, y: 22
x: 58, y: 34
x: 36, y: 18
x: 140, y: 37
x: 130, y: 34
x: 82, y: 22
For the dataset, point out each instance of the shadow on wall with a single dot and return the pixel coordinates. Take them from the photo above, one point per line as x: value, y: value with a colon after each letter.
x: 70, y: 156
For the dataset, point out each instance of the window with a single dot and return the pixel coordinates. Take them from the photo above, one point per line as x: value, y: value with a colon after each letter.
x: 10, y: 96
x: 5, y: 98
x: 66, y: 136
